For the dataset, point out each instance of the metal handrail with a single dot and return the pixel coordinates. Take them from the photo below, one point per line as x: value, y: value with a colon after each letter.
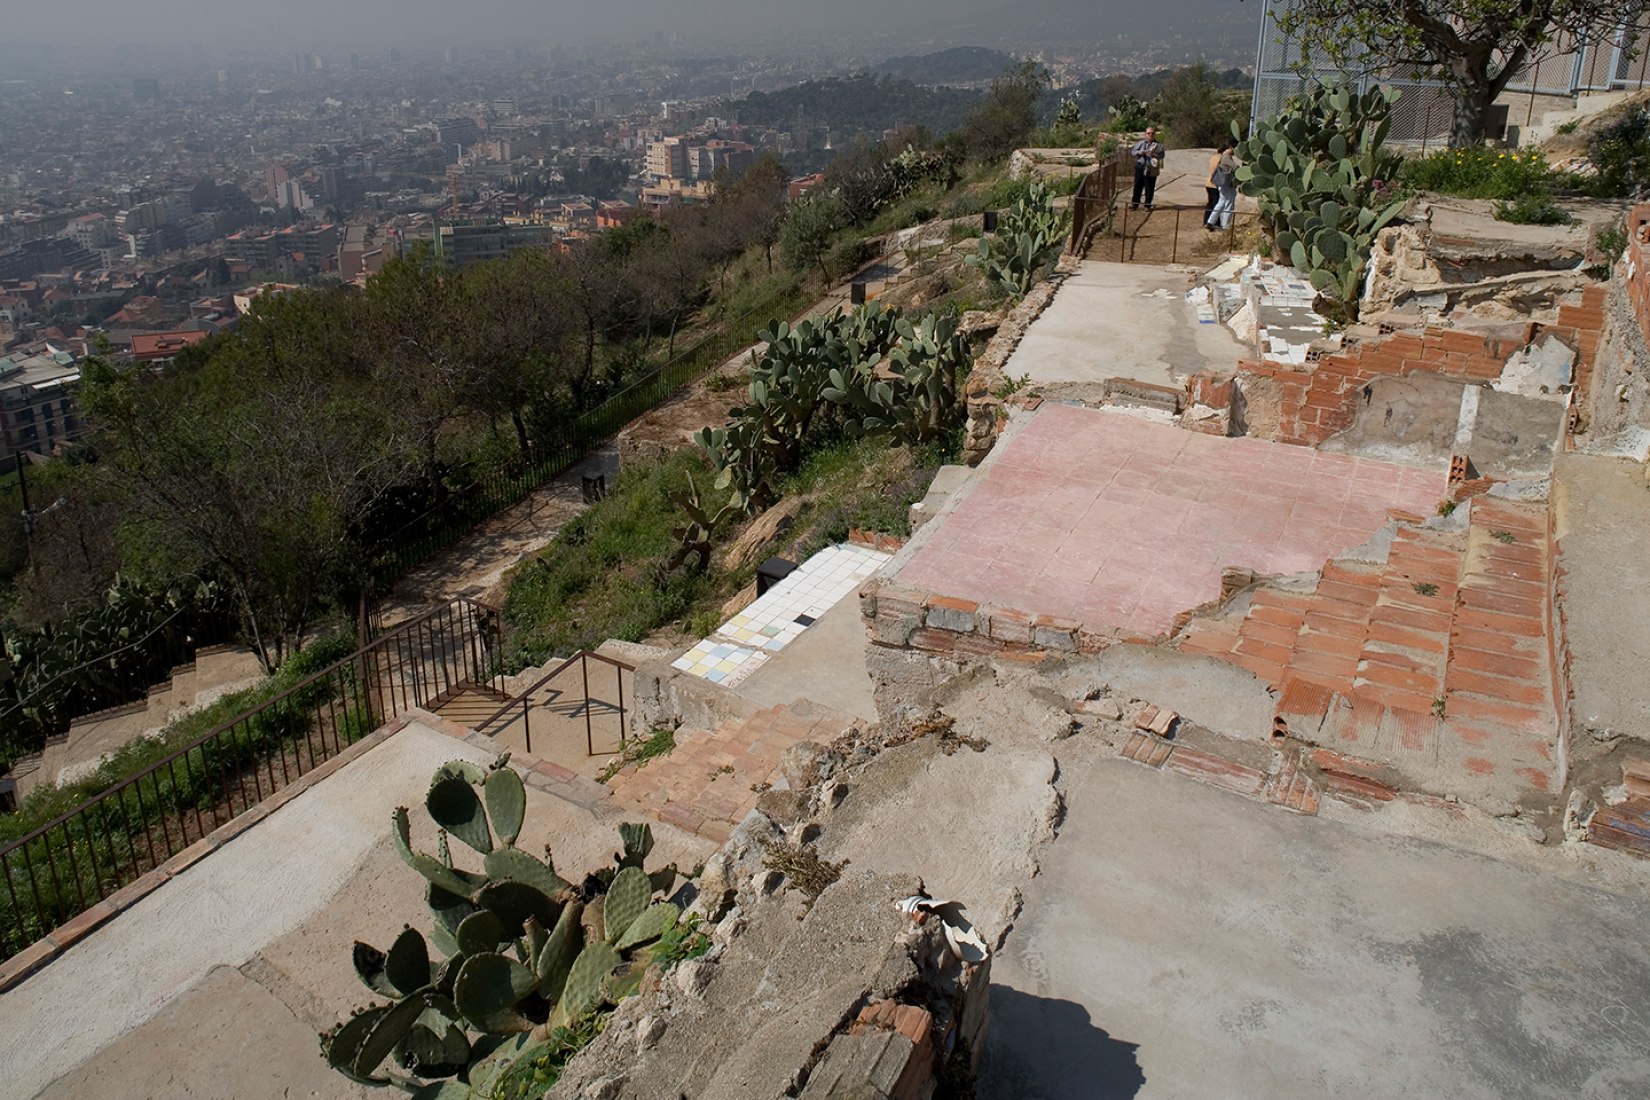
x: 1093, y: 201
x: 524, y: 700
x: 222, y: 761
x: 1126, y: 255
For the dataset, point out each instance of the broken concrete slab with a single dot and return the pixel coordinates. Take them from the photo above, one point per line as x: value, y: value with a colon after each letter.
x: 790, y: 978
x: 969, y: 822
x: 1214, y: 694
x: 1151, y: 332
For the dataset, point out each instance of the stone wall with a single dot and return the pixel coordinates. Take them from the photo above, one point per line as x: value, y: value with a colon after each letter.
x: 986, y: 380
x: 1309, y: 403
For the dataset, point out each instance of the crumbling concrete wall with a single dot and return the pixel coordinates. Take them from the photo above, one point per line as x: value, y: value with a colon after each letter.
x: 1452, y: 258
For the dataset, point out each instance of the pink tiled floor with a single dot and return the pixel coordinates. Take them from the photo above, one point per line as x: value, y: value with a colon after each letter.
x: 1123, y: 524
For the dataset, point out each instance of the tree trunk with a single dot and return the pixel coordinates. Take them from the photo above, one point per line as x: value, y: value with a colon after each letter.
x: 1474, y: 92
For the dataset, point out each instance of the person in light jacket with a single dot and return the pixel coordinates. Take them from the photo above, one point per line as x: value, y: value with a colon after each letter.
x: 1223, y: 178
x: 1148, y: 161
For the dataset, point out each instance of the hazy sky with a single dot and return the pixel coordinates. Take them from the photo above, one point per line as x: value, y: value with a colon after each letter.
x: 385, y: 23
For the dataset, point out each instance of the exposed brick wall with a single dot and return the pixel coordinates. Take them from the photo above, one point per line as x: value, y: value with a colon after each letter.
x: 1637, y: 256
x: 1317, y: 400
x: 900, y: 617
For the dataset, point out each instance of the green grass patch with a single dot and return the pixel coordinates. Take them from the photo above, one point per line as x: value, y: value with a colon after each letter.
x: 603, y: 575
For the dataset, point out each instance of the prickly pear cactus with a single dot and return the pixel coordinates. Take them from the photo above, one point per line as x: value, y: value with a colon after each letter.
x: 514, y: 955
x: 1319, y: 174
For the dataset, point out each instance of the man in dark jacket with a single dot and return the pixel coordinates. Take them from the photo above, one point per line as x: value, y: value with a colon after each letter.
x: 1148, y: 161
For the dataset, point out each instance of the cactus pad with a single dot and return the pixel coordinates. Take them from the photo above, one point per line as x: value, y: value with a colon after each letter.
x: 556, y: 959
x: 638, y: 842
x: 489, y: 985
x: 428, y: 866
x: 523, y: 867
x: 369, y: 967
x: 583, y: 990
x: 506, y: 803
x: 386, y: 1034
x: 627, y: 897
x: 514, y: 902
x: 344, y: 1043
x: 654, y: 922
x: 453, y: 804
x: 480, y: 932
x: 407, y: 966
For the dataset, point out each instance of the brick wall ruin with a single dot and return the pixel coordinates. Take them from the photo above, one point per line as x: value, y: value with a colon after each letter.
x: 1307, y: 404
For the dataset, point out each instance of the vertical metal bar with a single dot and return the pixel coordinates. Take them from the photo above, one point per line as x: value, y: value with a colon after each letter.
x: 74, y: 864
x: 618, y: 678
x: 126, y: 825
x: 17, y: 911
x: 589, y: 736
x: 204, y: 789
x: 34, y: 883
x: 56, y: 884
x: 1174, y: 241
x: 1123, y: 237
x: 149, y: 822
x: 526, y: 723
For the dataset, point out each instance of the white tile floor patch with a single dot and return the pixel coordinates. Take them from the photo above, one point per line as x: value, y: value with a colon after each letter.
x: 744, y: 643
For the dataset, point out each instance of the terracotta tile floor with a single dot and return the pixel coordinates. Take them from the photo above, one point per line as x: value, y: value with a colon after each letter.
x: 1122, y: 524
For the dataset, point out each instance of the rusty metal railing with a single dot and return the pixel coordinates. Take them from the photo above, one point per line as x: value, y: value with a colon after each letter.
x: 66, y: 866
x: 1092, y: 203
x: 524, y: 703
x: 1169, y: 234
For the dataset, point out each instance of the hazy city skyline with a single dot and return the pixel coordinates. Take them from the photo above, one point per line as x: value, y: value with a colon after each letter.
x: 425, y: 23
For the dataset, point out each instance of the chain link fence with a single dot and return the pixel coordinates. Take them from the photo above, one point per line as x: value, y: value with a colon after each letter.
x: 1423, y: 114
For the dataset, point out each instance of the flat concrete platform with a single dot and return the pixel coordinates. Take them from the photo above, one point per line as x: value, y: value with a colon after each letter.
x: 1182, y: 942
x: 1603, y: 511
x: 1113, y: 320
x: 1122, y: 524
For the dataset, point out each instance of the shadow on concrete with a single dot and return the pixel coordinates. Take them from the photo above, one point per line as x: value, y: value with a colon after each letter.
x: 1039, y: 1048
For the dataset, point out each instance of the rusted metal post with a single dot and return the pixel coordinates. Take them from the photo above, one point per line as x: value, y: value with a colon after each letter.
x: 589, y: 737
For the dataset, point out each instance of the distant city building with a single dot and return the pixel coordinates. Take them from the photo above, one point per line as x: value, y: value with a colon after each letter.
x: 681, y: 159
x: 37, y: 413
x: 163, y: 347
x: 145, y: 89
x: 457, y: 131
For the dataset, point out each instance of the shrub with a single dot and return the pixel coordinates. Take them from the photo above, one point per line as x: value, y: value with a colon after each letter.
x: 1536, y: 208
x: 1620, y: 155
x: 1480, y: 173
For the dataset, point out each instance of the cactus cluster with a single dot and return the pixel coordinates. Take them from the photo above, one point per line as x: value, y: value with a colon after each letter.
x: 1320, y: 175
x: 1029, y: 237
x: 520, y: 951
x: 828, y: 368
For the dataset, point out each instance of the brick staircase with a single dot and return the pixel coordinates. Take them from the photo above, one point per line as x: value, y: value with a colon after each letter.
x: 1434, y: 663
x: 712, y: 778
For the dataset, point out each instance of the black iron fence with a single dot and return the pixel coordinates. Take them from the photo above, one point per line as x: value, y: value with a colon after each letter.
x: 69, y: 864
x: 565, y: 706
